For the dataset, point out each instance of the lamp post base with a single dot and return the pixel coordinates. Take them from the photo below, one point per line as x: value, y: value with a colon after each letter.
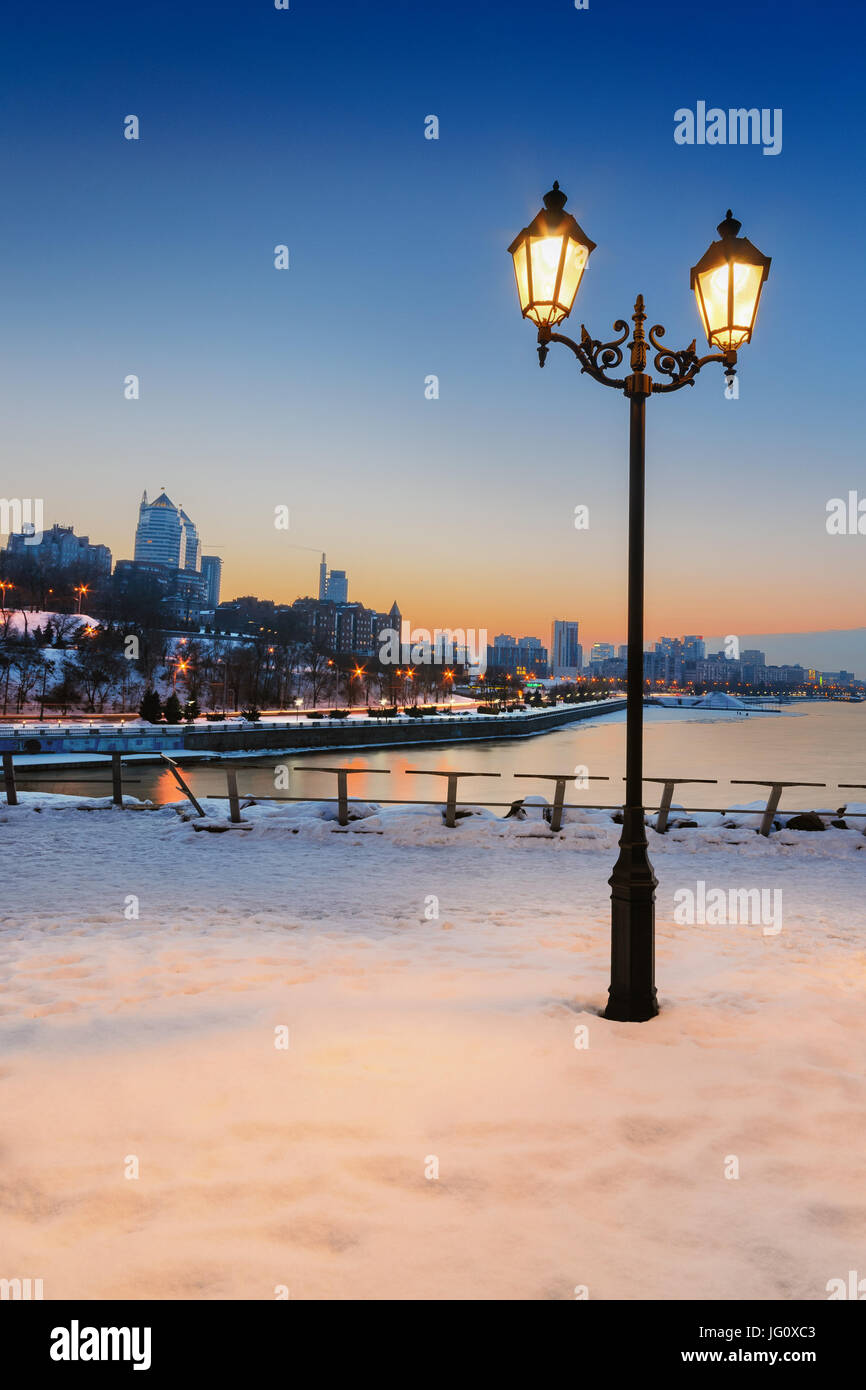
x: 632, y: 994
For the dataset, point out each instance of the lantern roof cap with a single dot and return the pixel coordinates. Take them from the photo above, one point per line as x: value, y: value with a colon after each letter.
x: 553, y: 220
x: 731, y: 248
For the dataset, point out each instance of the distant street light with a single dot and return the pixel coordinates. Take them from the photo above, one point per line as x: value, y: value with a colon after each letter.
x: 550, y: 256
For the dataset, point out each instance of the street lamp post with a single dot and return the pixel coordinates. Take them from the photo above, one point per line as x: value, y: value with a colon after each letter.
x: 550, y: 256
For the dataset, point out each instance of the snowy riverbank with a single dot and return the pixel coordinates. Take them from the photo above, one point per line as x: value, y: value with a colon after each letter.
x: 416, y: 1036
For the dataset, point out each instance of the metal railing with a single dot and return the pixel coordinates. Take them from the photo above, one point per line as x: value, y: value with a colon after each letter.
x: 116, y: 778
x: 452, y: 802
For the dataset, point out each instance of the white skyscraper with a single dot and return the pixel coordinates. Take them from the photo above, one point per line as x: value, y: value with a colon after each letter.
x: 165, y: 535
x: 159, y: 531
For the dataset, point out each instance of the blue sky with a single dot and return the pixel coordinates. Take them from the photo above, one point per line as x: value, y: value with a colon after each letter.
x: 306, y: 387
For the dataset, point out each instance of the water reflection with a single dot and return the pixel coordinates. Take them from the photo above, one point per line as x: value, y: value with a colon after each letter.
x: 821, y: 742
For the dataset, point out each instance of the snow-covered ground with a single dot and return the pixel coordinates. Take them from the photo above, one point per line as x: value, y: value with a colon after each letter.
x: 21, y: 621
x: 434, y: 985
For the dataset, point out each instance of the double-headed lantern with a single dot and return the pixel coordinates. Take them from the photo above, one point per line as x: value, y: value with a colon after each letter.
x: 550, y: 256
x: 727, y: 282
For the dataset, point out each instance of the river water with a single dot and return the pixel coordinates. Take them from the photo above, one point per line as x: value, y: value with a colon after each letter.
x: 814, y: 742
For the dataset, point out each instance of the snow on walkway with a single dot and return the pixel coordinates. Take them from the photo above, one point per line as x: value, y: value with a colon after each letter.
x: 417, y: 1040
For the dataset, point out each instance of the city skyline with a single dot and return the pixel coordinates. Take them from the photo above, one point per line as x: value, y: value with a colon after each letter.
x: 838, y: 648
x: 247, y: 409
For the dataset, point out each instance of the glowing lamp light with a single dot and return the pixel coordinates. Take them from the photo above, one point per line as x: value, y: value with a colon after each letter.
x: 550, y: 256
x: 727, y: 282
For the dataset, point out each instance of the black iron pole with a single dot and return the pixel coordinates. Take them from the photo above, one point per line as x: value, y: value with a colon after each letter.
x: 632, y: 994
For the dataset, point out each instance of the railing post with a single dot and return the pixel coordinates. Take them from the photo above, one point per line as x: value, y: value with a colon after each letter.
x: 234, y: 804
x: 343, y: 785
x: 116, y: 779
x: 451, y: 802
x: 770, y: 809
x: 668, y: 784
x: 451, y: 798
x: 9, y: 780
x: 773, y: 798
x: 558, y: 800
x: 665, y: 807
x: 560, y: 778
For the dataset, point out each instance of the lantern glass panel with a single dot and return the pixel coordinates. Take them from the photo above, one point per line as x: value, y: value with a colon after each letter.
x: 545, y: 255
x: 747, y: 289
x: 576, y: 257
x: 727, y: 298
x: 521, y: 275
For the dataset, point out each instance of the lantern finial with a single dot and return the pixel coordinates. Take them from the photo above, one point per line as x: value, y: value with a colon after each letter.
x: 730, y: 227
x: 555, y: 200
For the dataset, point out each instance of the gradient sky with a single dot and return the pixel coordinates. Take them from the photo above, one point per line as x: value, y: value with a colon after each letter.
x: 306, y: 387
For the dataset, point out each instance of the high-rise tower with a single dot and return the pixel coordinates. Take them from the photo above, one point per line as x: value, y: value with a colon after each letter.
x: 159, y: 532
x: 165, y: 535
x: 565, y: 656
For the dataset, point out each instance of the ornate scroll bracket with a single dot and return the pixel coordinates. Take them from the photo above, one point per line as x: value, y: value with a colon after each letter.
x: 682, y: 367
x: 598, y: 358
